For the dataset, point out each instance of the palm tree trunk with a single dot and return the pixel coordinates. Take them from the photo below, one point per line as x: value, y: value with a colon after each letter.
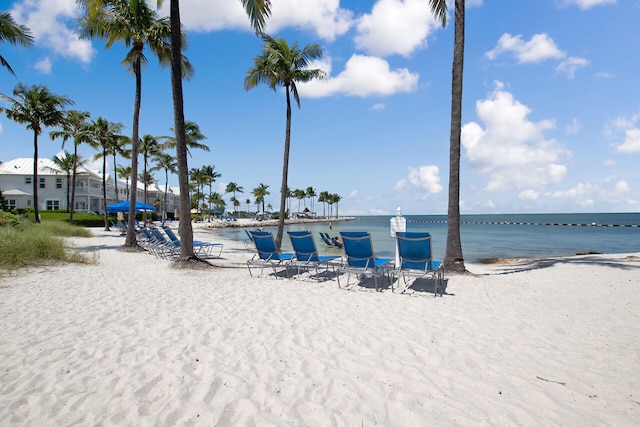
x: 104, y: 190
x: 185, y: 230
x: 285, y: 173
x: 68, y: 185
x: 453, y: 259
x: 35, y: 177
x: 115, y: 177
x: 164, y: 202
x: 130, y: 240
x: 73, y: 182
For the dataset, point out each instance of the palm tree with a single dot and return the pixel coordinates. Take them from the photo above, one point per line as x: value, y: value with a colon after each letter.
x: 209, y: 175
x: 234, y: 188
x: 198, y: 178
x: 13, y: 33
x: 311, y: 194
x: 116, y: 147
x: 193, y: 136
x: 103, y: 132
x: 248, y: 202
x: 167, y: 163
x: 74, y: 126
x: 324, y: 199
x: 149, y: 147
x: 284, y: 65
x: 259, y: 193
x: 66, y: 163
x: 37, y: 107
x: 124, y: 172
x: 335, y: 198
x: 299, y: 194
x: 258, y: 11
x: 453, y: 259
x: 137, y: 25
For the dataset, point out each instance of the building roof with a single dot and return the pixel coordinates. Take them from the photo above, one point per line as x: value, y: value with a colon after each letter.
x: 24, y: 166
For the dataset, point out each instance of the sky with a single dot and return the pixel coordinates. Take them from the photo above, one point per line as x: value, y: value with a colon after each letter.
x: 551, y: 101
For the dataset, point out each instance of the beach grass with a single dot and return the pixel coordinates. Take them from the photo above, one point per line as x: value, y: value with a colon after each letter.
x: 24, y: 243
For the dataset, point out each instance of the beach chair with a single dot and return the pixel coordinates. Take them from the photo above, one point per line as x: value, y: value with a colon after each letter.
x: 361, y: 258
x: 164, y: 247
x: 248, y: 242
x: 267, y: 254
x: 326, y: 239
x: 202, y: 249
x: 307, y: 257
x: 414, y: 249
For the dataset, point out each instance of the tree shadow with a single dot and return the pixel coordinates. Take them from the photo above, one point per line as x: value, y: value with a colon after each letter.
x: 520, y: 265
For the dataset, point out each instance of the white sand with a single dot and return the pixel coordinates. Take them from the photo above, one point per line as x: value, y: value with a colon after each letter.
x: 133, y: 341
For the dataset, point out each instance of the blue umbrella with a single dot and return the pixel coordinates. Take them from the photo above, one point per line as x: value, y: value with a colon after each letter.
x: 124, y: 207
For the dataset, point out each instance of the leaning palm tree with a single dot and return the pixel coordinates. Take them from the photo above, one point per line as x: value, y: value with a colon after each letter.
x: 74, y: 126
x: 453, y: 259
x: 36, y: 107
x: 103, y: 132
x: 167, y: 163
x: 258, y: 11
x: 13, y: 33
x: 284, y: 65
x: 137, y: 25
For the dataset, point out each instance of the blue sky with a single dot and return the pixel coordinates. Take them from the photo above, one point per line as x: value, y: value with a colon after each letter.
x: 551, y: 101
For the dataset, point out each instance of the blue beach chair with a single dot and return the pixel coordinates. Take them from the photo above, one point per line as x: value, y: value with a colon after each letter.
x: 306, y: 254
x: 202, y: 249
x: 416, y: 259
x: 360, y: 257
x: 267, y: 254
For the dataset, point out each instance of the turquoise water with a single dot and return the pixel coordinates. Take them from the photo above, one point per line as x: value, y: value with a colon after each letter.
x: 493, y: 236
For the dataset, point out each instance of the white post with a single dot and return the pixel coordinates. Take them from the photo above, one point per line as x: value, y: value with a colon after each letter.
x: 397, y: 223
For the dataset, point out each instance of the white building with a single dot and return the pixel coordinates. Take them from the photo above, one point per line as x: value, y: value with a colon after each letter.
x: 17, y: 187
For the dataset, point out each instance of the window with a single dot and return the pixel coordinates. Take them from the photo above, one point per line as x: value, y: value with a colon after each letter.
x: 58, y: 182
x: 53, y: 205
x: 42, y: 181
x: 12, y: 203
x: 27, y: 180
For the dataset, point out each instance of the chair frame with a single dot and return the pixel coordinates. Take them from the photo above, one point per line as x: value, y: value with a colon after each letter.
x: 307, y: 256
x: 202, y: 249
x: 420, y: 263
x: 267, y: 254
x: 361, y: 263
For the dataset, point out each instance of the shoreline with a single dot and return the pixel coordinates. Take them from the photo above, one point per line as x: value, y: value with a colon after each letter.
x: 132, y: 340
x: 244, y: 222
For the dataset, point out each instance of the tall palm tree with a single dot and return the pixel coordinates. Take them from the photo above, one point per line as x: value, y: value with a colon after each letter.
x: 453, y: 259
x: 37, y: 107
x: 234, y: 188
x: 138, y: 26
x: 193, y: 138
x: 13, y: 33
x: 299, y: 194
x: 103, y: 132
x: 149, y: 147
x: 167, y: 163
x: 209, y: 175
x: 258, y: 11
x: 74, y: 126
x: 284, y: 65
x: 311, y: 194
x: 66, y: 163
x: 324, y: 199
x: 335, y: 198
x: 260, y: 192
x: 118, y: 147
x: 124, y: 172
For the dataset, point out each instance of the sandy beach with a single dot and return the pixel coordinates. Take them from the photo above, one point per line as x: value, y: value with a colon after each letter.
x: 131, y: 340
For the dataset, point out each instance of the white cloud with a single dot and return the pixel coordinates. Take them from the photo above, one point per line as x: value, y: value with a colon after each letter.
x: 378, y: 107
x: 400, y: 185
x: 50, y: 23
x: 540, y: 48
x: 573, y: 127
x: 426, y: 178
x: 362, y: 76
x: 529, y: 194
x: 511, y: 150
x: 44, y: 66
x: 324, y: 17
x: 631, y: 142
x: 570, y: 65
x: 395, y: 27
x: 586, y: 4
x: 622, y: 186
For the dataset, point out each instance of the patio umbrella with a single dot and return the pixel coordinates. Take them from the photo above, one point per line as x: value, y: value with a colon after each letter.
x: 124, y: 207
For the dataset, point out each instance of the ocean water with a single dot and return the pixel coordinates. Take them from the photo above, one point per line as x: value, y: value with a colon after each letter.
x: 491, y: 236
